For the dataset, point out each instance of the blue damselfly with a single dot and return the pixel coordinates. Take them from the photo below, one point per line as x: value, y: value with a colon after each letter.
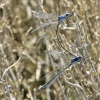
x: 52, y: 80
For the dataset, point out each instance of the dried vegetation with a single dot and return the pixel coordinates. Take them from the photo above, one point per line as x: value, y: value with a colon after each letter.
x: 26, y: 54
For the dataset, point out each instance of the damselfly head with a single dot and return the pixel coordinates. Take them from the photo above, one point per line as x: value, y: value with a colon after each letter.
x: 67, y: 13
x: 80, y: 56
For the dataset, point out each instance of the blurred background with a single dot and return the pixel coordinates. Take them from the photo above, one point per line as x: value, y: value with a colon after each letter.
x: 29, y: 49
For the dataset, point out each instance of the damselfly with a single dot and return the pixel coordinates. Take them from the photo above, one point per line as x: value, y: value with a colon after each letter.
x: 52, y: 80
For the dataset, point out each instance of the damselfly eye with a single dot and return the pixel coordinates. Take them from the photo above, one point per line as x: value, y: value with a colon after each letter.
x: 80, y: 56
x: 67, y: 13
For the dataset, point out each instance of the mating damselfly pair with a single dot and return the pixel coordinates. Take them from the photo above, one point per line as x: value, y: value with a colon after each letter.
x: 73, y: 61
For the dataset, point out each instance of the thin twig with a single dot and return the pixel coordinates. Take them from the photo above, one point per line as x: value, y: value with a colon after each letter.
x: 2, y: 78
